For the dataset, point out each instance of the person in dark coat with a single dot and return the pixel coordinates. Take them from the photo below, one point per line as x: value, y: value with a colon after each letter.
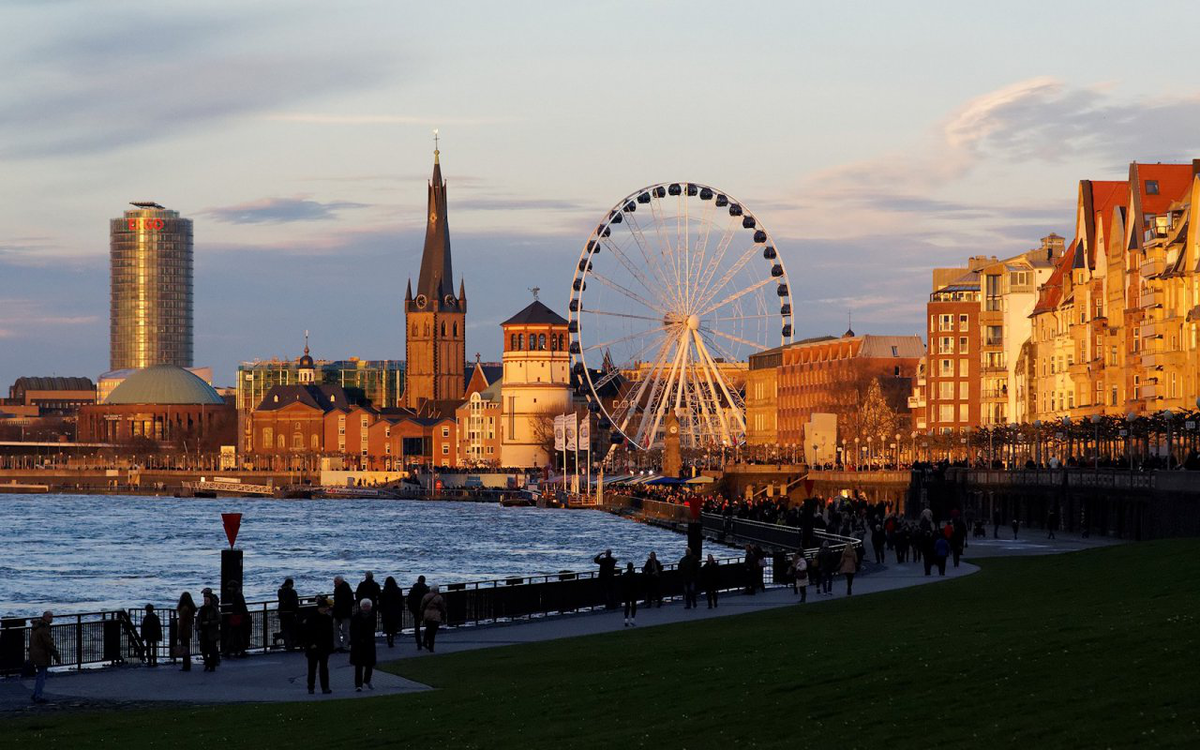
x: 1016, y: 526
x: 958, y: 539
x: 416, y: 595
x: 343, y: 609
x: 996, y: 524
x: 208, y: 625
x: 433, y: 612
x: 362, y: 644
x: 629, y: 594
x: 289, y: 610
x: 829, y: 566
x: 185, y: 618
x: 878, y: 543
x: 318, y: 645
x: 1051, y: 523
x: 941, y: 550
x: 151, y: 635
x: 710, y: 574
x: 238, y: 622
x: 689, y: 573
x: 391, y: 609
x: 608, y: 569
x: 751, y: 570
x: 651, y: 573
x: 368, y: 589
x: 41, y: 651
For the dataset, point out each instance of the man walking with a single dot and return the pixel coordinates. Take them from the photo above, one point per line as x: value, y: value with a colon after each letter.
x: 689, y: 572
x: 343, y: 608
x: 289, y: 609
x: 608, y: 568
x: 318, y: 644
x: 41, y: 651
x: 416, y: 595
x: 1052, y: 522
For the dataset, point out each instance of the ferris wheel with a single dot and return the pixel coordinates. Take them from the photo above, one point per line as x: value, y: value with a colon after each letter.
x: 676, y: 287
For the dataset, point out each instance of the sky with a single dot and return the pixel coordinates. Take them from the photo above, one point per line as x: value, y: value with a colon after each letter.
x: 875, y: 140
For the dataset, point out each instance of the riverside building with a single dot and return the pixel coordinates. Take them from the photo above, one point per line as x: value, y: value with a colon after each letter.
x: 150, y: 316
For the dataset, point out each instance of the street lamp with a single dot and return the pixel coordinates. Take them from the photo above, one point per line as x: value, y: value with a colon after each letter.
x: 1037, y: 437
x: 1096, y: 444
x: 1066, y: 423
x: 1130, y: 418
x: 857, y: 456
x: 870, y: 457
x: 1170, y: 416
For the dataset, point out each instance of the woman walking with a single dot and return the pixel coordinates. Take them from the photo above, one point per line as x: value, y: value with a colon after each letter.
x: 185, y: 615
x: 362, y: 645
x: 209, y: 626
x: 629, y: 594
x: 710, y: 574
x: 391, y: 609
x: 849, y: 566
x: 433, y: 612
x: 800, y: 576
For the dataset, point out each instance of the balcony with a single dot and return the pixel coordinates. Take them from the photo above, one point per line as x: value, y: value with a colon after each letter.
x: 1151, y: 267
x: 1150, y: 392
x: 1000, y: 394
x: 1151, y: 330
x: 916, y: 402
x: 1153, y: 298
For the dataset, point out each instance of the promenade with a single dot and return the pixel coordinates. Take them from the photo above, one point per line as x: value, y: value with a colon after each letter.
x: 280, y: 677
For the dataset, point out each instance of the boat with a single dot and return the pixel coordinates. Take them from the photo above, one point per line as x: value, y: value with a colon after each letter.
x: 517, y: 500
x: 15, y: 487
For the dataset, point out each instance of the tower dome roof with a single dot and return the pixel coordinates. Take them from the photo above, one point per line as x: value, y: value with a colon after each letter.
x: 162, y: 385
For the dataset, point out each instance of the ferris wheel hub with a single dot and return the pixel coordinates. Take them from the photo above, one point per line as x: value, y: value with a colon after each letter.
x: 693, y: 322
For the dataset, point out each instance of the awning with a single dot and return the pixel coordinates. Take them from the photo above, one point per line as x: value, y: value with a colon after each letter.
x: 700, y: 480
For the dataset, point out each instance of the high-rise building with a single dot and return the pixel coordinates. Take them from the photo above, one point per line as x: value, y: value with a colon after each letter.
x: 150, y: 319
x: 435, y: 319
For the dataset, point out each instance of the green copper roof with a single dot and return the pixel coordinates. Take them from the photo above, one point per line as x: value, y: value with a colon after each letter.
x: 164, y: 384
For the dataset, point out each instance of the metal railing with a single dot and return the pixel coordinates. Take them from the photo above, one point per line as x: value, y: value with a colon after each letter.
x: 81, y: 639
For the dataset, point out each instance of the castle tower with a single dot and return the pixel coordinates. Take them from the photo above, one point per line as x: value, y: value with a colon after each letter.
x: 536, y: 385
x: 435, y: 319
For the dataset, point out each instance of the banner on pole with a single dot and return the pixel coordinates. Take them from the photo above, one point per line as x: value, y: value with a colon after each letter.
x: 571, y: 424
x: 585, y: 433
x: 559, y: 438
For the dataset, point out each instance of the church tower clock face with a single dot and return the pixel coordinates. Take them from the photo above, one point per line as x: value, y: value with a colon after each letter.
x: 674, y: 429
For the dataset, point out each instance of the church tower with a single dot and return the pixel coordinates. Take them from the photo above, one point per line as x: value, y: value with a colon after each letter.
x: 435, y: 318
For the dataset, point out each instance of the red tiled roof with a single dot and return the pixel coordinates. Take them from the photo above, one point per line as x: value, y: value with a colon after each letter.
x: 1051, y: 292
x: 1174, y: 180
x: 1107, y: 195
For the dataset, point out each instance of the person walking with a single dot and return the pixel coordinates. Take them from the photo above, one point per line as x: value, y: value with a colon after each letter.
x: 829, y: 565
x: 391, y: 609
x: 878, y: 542
x: 800, y: 576
x: 689, y: 572
x: 151, y: 635
x: 362, y: 644
x: 651, y: 574
x: 41, y: 651
x: 849, y: 566
x: 1016, y: 526
x: 710, y: 574
x: 608, y: 569
x: 433, y: 612
x: 996, y: 524
x: 751, y: 570
x: 416, y: 598
x: 208, y: 623
x: 317, y: 636
x: 941, y: 550
x: 958, y: 538
x: 289, y: 610
x: 185, y: 617
x: 239, y: 621
x: 343, y: 609
x: 629, y: 594
x: 1052, y: 522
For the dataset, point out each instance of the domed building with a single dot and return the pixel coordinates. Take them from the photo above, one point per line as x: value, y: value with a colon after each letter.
x: 163, y: 403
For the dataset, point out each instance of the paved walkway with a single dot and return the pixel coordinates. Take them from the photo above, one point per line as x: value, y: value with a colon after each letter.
x: 281, y: 677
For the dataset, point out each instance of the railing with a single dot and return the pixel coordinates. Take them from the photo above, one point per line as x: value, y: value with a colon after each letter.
x: 81, y: 639
x: 744, y: 530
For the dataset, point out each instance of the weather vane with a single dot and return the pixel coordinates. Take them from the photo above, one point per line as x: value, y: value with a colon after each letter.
x: 535, y: 290
x: 435, y: 139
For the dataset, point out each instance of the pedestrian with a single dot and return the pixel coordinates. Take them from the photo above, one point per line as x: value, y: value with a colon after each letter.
x: 629, y: 594
x: 1016, y: 526
x: 760, y: 575
x: 689, y: 573
x: 416, y: 595
x: 185, y: 617
x: 208, y: 624
x: 289, y: 610
x: 362, y: 644
x: 433, y: 612
x: 996, y: 524
x: 151, y: 635
x: 849, y: 566
x: 651, y: 575
x: 608, y: 569
x: 343, y: 609
x: 711, y: 576
x: 878, y: 542
x: 814, y: 572
x: 1052, y: 522
x: 318, y: 645
x: 958, y: 539
x: 391, y: 609
x: 829, y: 564
x: 941, y: 550
x: 800, y: 576
x: 41, y: 651
x: 239, y: 621
x: 751, y: 570
x: 368, y: 589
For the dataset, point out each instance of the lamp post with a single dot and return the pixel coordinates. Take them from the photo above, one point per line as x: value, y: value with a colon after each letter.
x: 1096, y: 443
x: 1130, y: 418
x: 1170, y: 417
x: 857, y: 456
x: 1037, y: 437
x: 898, y: 447
x: 1066, y: 424
x: 870, y: 452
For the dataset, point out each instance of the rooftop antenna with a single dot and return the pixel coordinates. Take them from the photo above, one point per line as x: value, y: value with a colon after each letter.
x: 535, y: 290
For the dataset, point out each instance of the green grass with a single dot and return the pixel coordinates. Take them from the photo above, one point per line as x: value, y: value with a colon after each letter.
x: 1093, y: 649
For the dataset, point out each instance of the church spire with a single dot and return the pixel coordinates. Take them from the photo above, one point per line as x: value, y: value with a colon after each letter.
x: 436, y: 281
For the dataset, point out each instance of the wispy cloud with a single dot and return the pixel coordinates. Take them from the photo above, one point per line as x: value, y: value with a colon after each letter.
x: 280, y: 211
x: 342, y: 118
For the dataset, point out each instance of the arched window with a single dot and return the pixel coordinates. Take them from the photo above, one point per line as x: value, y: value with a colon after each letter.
x: 541, y: 342
x: 443, y: 328
x: 512, y: 341
x: 281, y: 443
x: 314, y: 443
x: 298, y: 441
x: 520, y: 341
x: 456, y: 329
x: 268, y: 437
x: 553, y: 343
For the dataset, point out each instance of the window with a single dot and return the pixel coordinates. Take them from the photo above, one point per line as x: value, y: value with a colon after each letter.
x: 895, y: 351
x: 445, y: 431
x: 947, y: 366
x: 1113, y: 397
x: 445, y: 449
x: 962, y: 322
x: 364, y: 422
x: 995, y: 336
x: 964, y: 413
x: 964, y: 390
x: 1151, y: 187
x: 387, y: 431
x: 520, y: 341
x: 268, y: 437
x: 946, y: 390
x: 946, y: 413
x: 512, y: 342
x: 1071, y: 399
x: 945, y: 345
x: 962, y: 345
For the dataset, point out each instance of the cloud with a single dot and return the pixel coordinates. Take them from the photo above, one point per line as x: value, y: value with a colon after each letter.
x: 280, y: 211
x: 519, y: 204
x: 322, y: 118
x: 129, y: 77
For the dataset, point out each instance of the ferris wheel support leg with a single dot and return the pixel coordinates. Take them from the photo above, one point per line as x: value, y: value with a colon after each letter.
x: 660, y: 411
x: 713, y: 389
x: 724, y: 388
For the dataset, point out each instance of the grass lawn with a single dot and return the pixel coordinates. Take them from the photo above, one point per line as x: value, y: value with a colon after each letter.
x: 1093, y: 649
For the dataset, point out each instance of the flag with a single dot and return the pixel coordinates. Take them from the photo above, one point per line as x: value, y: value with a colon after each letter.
x: 571, y: 423
x: 585, y: 433
x: 559, y: 425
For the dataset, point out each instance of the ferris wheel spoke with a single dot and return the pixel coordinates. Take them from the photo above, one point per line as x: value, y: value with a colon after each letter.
x: 623, y: 259
x: 715, y: 414
x: 667, y: 252
x: 737, y: 295
x: 735, y: 405
x: 730, y: 274
x: 731, y: 337
x: 592, y: 311
x: 650, y: 381
x: 659, y: 400
x: 741, y: 317
x: 639, y: 237
x: 719, y: 258
x: 639, y: 334
x: 626, y: 291
x: 706, y: 224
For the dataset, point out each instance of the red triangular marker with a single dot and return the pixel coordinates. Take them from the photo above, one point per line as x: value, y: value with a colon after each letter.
x: 233, y: 522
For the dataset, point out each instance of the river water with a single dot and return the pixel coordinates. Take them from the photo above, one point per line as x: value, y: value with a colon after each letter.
x: 81, y: 553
